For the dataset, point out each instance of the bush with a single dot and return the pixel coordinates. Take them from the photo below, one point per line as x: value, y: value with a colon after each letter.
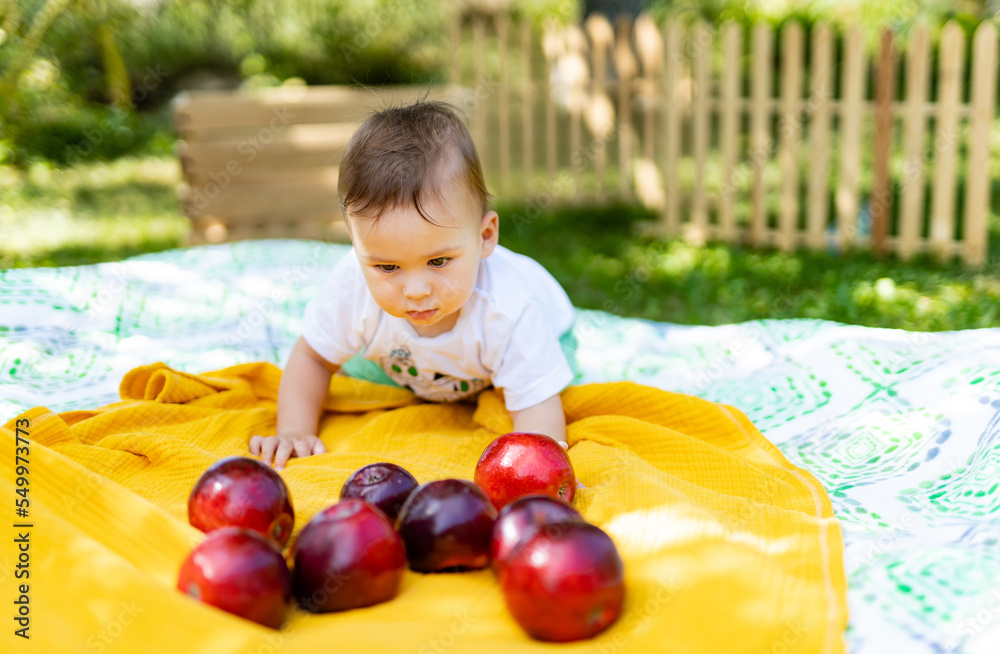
x: 99, y: 83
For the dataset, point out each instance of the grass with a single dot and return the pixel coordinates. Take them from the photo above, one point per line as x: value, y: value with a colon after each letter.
x: 89, y: 213
x: 109, y: 211
x: 598, y: 255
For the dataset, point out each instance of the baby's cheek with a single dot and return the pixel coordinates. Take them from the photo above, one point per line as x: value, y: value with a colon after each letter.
x: 383, y: 295
x: 455, y: 289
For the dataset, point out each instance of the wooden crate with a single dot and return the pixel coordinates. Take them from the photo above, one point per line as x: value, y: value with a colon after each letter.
x: 264, y: 164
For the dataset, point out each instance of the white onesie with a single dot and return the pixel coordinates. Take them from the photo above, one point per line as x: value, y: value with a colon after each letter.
x: 506, y: 335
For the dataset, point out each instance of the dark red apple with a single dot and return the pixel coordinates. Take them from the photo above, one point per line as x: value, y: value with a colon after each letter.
x: 386, y: 485
x: 239, y: 571
x: 242, y: 492
x: 348, y: 556
x: 446, y: 525
x: 523, y: 463
x: 521, y: 519
x: 565, y: 585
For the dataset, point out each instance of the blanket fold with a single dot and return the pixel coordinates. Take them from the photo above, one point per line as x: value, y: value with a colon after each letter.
x: 728, y: 547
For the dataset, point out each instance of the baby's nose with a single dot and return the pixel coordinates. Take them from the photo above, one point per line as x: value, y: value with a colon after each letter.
x: 416, y: 289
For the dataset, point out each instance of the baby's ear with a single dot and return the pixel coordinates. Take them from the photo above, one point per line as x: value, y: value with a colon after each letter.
x: 490, y: 232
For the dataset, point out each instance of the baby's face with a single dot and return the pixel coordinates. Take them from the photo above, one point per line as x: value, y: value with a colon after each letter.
x: 423, y: 272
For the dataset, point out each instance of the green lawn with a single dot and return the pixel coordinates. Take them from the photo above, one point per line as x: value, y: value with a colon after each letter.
x: 109, y: 211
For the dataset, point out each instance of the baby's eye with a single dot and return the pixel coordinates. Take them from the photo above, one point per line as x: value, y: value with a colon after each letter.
x: 387, y: 267
x: 439, y: 262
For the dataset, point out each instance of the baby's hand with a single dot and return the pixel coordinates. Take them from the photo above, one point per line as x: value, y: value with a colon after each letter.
x: 282, y: 446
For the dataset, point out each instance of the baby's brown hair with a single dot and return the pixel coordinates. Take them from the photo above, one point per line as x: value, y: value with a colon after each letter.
x: 402, y: 153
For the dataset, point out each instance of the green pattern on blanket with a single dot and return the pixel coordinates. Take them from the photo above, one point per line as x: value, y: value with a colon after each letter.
x: 902, y: 428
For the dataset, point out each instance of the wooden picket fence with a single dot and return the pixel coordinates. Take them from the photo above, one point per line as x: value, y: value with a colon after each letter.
x: 685, y: 118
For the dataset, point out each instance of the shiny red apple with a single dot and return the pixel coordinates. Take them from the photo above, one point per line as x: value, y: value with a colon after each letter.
x: 239, y: 571
x: 521, y: 519
x: 446, y: 525
x: 565, y: 585
x: 348, y: 556
x: 242, y: 492
x: 386, y: 485
x: 523, y: 463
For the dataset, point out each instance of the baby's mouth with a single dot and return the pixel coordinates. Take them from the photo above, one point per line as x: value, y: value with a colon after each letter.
x: 421, y: 315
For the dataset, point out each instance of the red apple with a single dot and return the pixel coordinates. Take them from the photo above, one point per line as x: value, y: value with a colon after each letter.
x: 242, y: 492
x: 523, y: 463
x: 521, y: 519
x: 447, y: 525
x: 386, y: 485
x: 346, y: 557
x: 239, y: 571
x: 564, y: 585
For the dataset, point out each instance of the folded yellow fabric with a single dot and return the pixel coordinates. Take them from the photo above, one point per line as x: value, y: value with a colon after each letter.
x: 728, y: 547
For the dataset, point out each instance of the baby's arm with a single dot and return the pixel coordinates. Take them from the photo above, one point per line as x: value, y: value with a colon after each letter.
x: 303, y: 389
x: 546, y: 417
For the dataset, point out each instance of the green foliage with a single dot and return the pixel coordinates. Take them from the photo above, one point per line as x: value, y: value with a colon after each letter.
x: 99, y: 54
x: 598, y: 256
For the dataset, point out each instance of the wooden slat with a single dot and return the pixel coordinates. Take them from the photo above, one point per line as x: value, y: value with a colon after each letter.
x: 527, y: 109
x: 819, y: 136
x: 204, y: 159
x: 625, y: 63
x: 576, y: 117
x: 942, y: 219
x: 760, y: 127
x: 290, y: 177
x: 673, y: 39
x: 701, y: 55
x: 977, y: 182
x: 911, y: 210
x: 790, y: 134
x: 502, y: 21
x: 258, y: 136
x: 649, y: 45
x: 479, y: 133
x: 853, y: 83
x: 455, y: 41
x: 278, y: 203
x: 323, y: 230
x: 206, y: 110
x: 732, y: 48
x: 551, y: 162
x: 885, y: 90
x: 601, y: 37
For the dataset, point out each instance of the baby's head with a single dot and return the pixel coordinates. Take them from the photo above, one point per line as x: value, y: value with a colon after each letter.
x: 416, y: 208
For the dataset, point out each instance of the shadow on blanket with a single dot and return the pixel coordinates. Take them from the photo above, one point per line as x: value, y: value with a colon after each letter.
x: 728, y: 547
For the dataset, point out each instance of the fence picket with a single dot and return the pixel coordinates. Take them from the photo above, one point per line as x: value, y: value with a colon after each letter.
x: 665, y: 76
x: 942, y: 227
x: 732, y: 48
x: 550, y: 48
x: 697, y: 231
x: 626, y: 66
x: 502, y: 23
x: 673, y: 40
x: 819, y: 105
x: 917, y: 82
x: 601, y: 36
x: 760, y: 128
x: 479, y: 45
x: 885, y: 91
x: 853, y: 84
x: 527, y: 110
x: 983, y: 106
x: 790, y: 132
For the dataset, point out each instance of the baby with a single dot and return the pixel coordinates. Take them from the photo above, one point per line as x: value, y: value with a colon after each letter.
x: 425, y: 297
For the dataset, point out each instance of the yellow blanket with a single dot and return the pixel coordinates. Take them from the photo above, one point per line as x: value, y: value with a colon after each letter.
x: 727, y: 546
